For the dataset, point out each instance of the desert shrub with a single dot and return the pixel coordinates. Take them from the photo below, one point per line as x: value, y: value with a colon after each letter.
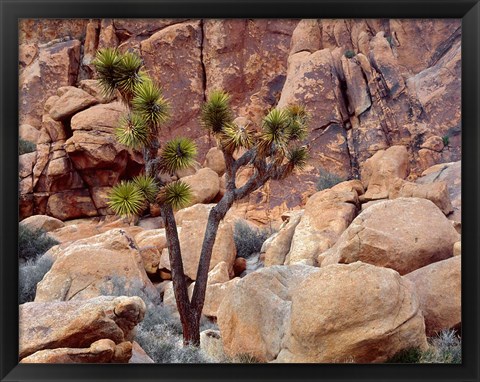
x: 327, y: 180
x: 349, y: 53
x: 446, y: 347
x: 29, y: 275
x: 33, y: 243
x: 160, y: 335
x: 25, y: 146
x: 445, y: 140
x: 248, y: 239
x: 243, y: 358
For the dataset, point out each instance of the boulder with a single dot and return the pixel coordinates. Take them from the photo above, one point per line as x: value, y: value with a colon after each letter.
x: 204, y: 185
x: 139, y: 355
x: 28, y: 133
x: 43, y: 222
x: 77, y: 324
x: 357, y: 89
x: 380, y: 170
x: 55, y: 65
x: 178, y: 70
x: 109, y: 263
x: 278, y: 245
x: 439, y: 289
x: 457, y: 248
x: 94, y: 150
x: 326, y: 324
x: 26, y: 163
x: 211, y: 344
x: 215, y: 160
x: 395, y: 234
x: 101, y: 351
x: 451, y: 173
x: 71, y: 102
x: 436, y: 192
x: 94, y: 88
x: 312, y: 81
x: 71, y: 204
x: 254, y: 316
x: 306, y: 37
x: 327, y: 214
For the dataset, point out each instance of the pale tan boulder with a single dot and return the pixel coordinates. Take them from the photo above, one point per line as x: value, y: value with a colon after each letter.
x: 42, y: 222
x: 99, y: 265
x: 457, y: 248
x: 278, y: 245
x: 384, y: 167
x: 215, y: 160
x: 439, y: 289
x: 139, y: 355
x: 28, y: 133
x: 437, y: 192
x: 101, y: 351
x: 404, y: 234
x: 255, y: 315
x: 191, y: 238
x: 70, y: 102
x: 204, y: 185
x: 77, y: 324
x: 152, y: 237
x: 352, y: 313
x: 327, y: 214
x: 26, y: 163
x: 94, y: 88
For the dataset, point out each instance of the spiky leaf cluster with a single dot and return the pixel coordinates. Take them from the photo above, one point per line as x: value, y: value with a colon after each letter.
x: 177, y: 154
x: 126, y: 199
x: 132, y: 131
x: 234, y: 137
x: 149, y: 103
x: 177, y: 194
x: 275, y: 134
x: 216, y: 112
x: 297, y: 157
x: 118, y: 71
x: 147, y: 186
x: 297, y: 122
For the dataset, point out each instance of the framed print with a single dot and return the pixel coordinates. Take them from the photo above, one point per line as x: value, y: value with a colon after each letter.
x: 238, y: 190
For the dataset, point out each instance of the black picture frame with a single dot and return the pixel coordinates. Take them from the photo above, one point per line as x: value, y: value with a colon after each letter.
x: 12, y: 10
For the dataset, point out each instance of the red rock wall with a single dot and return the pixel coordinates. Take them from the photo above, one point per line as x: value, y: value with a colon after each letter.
x: 367, y: 84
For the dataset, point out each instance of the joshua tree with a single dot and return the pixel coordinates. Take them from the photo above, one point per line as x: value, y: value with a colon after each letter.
x: 273, y: 152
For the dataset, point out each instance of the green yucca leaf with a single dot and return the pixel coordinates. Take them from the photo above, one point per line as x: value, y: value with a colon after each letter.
x: 274, y: 134
x: 178, y: 194
x: 297, y: 157
x: 149, y: 103
x: 297, y: 125
x: 132, y: 131
x: 177, y: 154
x: 216, y: 112
x: 147, y: 186
x: 126, y: 199
x: 106, y: 63
x: 128, y: 74
x: 234, y: 137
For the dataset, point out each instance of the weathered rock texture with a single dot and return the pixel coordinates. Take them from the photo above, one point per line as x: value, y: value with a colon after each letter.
x: 404, y: 234
x: 77, y: 324
x: 280, y: 314
x: 367, y: 85
x: 439, y: 289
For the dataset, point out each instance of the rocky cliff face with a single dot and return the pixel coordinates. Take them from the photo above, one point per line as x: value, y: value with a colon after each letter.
x: 367, y: 84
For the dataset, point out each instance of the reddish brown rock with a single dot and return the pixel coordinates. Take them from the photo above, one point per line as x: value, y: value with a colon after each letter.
x: 306, y: 36
x: 57, y: 65
x: 71, y: 205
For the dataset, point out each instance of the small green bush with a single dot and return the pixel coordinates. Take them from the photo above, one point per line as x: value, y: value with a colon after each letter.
x: 33, y: 243
x: 327, y: 180
x: 350, y: 53
x: 25, y: 146
x: 446, y: 140
x: 249, y: 240
x: 29, y: 275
